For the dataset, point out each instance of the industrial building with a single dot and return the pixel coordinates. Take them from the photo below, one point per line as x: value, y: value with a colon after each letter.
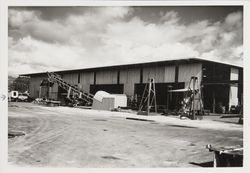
x: 220, y: 83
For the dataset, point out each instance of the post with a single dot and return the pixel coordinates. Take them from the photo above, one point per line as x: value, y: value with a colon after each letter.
x: 40, y: 90
x: 68, y: 96
x: 149, y: 90
x: 213, y: 102
x: 50, y: 94
x: 193, y: 105
x: 154, y: 96
x: 216, y: 159
x: 168, y: 96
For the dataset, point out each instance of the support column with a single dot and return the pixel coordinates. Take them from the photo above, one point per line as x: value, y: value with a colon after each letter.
x: 50, y: 93
x: 141, y: 75
x: 149, y: 92
x: 40, y: 94
x: 176, y: 73
x: 193, y: 99
x: 118, y: 77
x: 213, y: 102
x: 68, y: 95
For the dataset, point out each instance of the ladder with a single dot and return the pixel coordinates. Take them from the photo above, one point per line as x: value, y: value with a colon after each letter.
x: 148, y: 97
x: 55, y: 78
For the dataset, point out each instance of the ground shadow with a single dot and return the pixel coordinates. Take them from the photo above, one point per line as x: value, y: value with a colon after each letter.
x: 13, y: 134
x: 182, y: 126
x: 203, y: 164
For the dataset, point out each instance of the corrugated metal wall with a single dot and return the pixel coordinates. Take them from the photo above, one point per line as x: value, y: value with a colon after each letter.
x: 53, y: 93
x: 186, y: 71
x: 35, y: 86
x: 71, y: 78
x: 129, y: 77
x: 164, y: 74
x: 169, y: 75
x: 86, y: 79
x: 106, y: 77
x: 153, y: 72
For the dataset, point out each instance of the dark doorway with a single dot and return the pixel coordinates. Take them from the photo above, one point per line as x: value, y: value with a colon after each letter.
x: 164, y: 99
x: 216, y: 95
x: 110, y: 88
x: 62, y: 94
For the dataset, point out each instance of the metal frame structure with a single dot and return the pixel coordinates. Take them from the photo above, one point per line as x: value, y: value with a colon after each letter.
x: 148, y: 97
x: 55, y: 78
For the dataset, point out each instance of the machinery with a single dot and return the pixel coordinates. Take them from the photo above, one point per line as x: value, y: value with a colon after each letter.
x: 74, y: 94
x: 192, y: 104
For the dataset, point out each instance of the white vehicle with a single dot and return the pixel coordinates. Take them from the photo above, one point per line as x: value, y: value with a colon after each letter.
x: 17, y: 96
x: 23, y: 97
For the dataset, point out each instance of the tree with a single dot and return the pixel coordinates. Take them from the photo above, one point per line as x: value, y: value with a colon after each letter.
x: 20, y: 84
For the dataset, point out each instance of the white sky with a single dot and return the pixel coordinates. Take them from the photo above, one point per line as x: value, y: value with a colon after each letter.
x: 58, y: 38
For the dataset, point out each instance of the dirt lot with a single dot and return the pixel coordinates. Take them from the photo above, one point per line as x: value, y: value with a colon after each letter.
x: 72, y: 137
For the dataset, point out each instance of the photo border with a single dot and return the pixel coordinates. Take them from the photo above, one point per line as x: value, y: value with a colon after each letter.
x: 6, y: 167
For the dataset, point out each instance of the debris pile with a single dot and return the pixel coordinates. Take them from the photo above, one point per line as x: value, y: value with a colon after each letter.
x: 46, y: 102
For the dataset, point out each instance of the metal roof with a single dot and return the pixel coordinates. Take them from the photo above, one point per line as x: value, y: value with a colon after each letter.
x: 136, y: 65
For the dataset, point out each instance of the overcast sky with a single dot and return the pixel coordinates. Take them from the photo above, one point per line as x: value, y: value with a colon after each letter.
x: 62, y: 38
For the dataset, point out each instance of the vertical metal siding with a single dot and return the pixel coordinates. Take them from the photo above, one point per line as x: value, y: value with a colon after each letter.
x: 186, y: 71
x: 129, y: 77
x: 106, y: 77
x: 54, y: 92
x: 35, y: 86
x: 169, y: 75
x: 153, y: 72
x: 148, y: 72
x: 86, y: 79
x: 162, y: 74
x: 159, y: 74
x: 71, y: 78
